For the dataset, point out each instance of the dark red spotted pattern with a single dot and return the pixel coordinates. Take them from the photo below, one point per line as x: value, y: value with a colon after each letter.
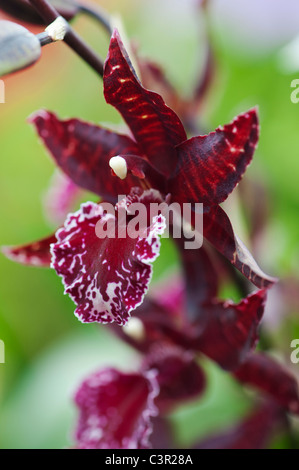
x: 211, y: 166
x: 83, y: 150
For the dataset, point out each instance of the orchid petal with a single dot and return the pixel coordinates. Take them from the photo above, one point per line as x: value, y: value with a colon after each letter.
x: 115, y: 410
x: 156, y: 128
x: 33, y: 254
x: 217, y: 229
x: 83, y: 150
x: 209, y: 167
x: 267, y: 375
x: 227, y: 332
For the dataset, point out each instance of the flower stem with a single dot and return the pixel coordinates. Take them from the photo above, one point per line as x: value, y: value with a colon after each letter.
x: 72, y: 39
x: 98, y: 14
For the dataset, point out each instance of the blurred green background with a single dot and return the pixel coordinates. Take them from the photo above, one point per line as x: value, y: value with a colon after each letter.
x: 48, y: 352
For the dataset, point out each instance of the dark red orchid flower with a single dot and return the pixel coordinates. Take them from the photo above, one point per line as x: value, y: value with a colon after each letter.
x: 172, y: 330
x: 225, y: 332
x: 117, y: 409
x: 171, y: 351
x: 107, y: 279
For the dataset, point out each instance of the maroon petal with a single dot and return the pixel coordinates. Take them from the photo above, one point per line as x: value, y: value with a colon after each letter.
x: 254, y: 432
x: 153, y: 324
x: 178, y: 375
x: 256, y: 205
x: 116, y: 410
x: 34, y: 254
x: 267, y: 375
x: 210, y: 166
x: 106, y: 277
x: 156, y: 128
x: 227, y: 332
x: 162, y: 435
x: 83, y: 151
x: 218, y: 230
x: 201, y: 279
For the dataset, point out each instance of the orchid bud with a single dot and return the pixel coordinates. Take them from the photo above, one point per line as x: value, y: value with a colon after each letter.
x: 19, y: 48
